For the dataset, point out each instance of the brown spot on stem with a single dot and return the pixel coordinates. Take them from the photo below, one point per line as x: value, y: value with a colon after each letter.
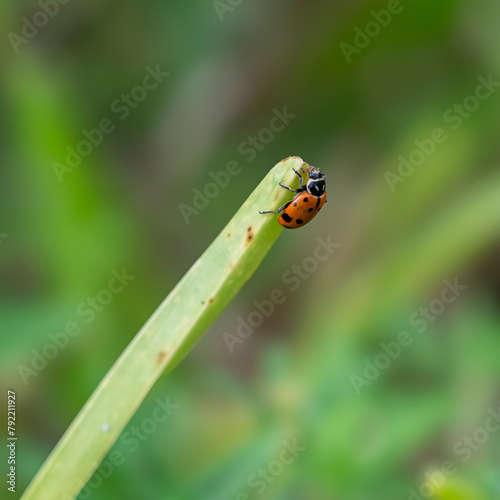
x: 211, y: 300
x: 161, y: 357
x: 249, y: 237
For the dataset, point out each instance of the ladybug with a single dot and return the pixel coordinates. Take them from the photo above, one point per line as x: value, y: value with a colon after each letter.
x: 306, y: 204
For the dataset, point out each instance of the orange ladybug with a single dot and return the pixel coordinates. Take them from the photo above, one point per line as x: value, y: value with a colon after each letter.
x: 307, y: 203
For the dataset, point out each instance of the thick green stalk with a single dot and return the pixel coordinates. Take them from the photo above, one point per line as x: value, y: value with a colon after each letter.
x: 168, y: 335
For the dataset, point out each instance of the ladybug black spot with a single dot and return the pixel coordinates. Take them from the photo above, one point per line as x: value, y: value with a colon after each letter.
x: 287, y: 218
x: 306, y: 199
x: 300, y: 221
x: 310, y: 210
x: 295, y: 204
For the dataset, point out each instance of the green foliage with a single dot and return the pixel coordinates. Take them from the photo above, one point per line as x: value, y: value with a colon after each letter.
x: 291, y: 377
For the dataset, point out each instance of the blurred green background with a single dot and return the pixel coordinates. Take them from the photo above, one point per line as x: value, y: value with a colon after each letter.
x: 230, y: 68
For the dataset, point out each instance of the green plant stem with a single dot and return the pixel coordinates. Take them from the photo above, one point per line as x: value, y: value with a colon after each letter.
x: 168, y: 335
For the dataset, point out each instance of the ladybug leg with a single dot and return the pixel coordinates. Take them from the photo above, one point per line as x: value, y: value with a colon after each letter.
x: 280, y: 209
x: 301, y: 188
x: 296, y: 191
x: 300, y: 177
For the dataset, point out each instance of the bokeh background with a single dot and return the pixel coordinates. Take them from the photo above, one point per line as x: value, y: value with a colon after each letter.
x: 292, y: 378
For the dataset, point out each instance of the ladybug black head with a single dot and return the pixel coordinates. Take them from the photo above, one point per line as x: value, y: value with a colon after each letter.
x: 316, y: 185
